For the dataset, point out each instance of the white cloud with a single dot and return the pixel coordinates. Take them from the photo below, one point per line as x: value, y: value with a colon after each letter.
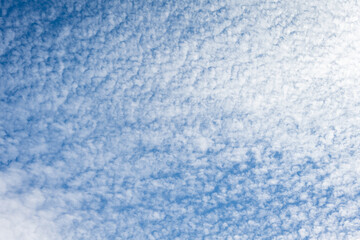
x: 179, y: 120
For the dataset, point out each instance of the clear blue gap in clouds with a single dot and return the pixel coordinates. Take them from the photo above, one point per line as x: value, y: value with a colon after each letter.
x: 179, y: 120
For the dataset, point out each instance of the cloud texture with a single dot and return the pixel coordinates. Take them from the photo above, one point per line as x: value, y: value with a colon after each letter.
x: 180, y: 120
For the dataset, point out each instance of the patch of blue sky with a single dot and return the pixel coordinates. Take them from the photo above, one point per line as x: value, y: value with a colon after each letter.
x: 179, y: 120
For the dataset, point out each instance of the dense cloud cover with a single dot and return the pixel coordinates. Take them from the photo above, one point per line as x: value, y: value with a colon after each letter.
x: 180, y: 119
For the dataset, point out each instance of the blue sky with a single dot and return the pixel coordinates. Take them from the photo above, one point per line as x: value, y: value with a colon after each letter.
x: 179, y: 120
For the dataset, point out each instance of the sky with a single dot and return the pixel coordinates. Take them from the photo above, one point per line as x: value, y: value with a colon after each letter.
x: 231, y: 119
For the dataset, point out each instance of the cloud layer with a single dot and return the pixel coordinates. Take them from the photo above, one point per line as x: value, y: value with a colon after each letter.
x: 179, y: 120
